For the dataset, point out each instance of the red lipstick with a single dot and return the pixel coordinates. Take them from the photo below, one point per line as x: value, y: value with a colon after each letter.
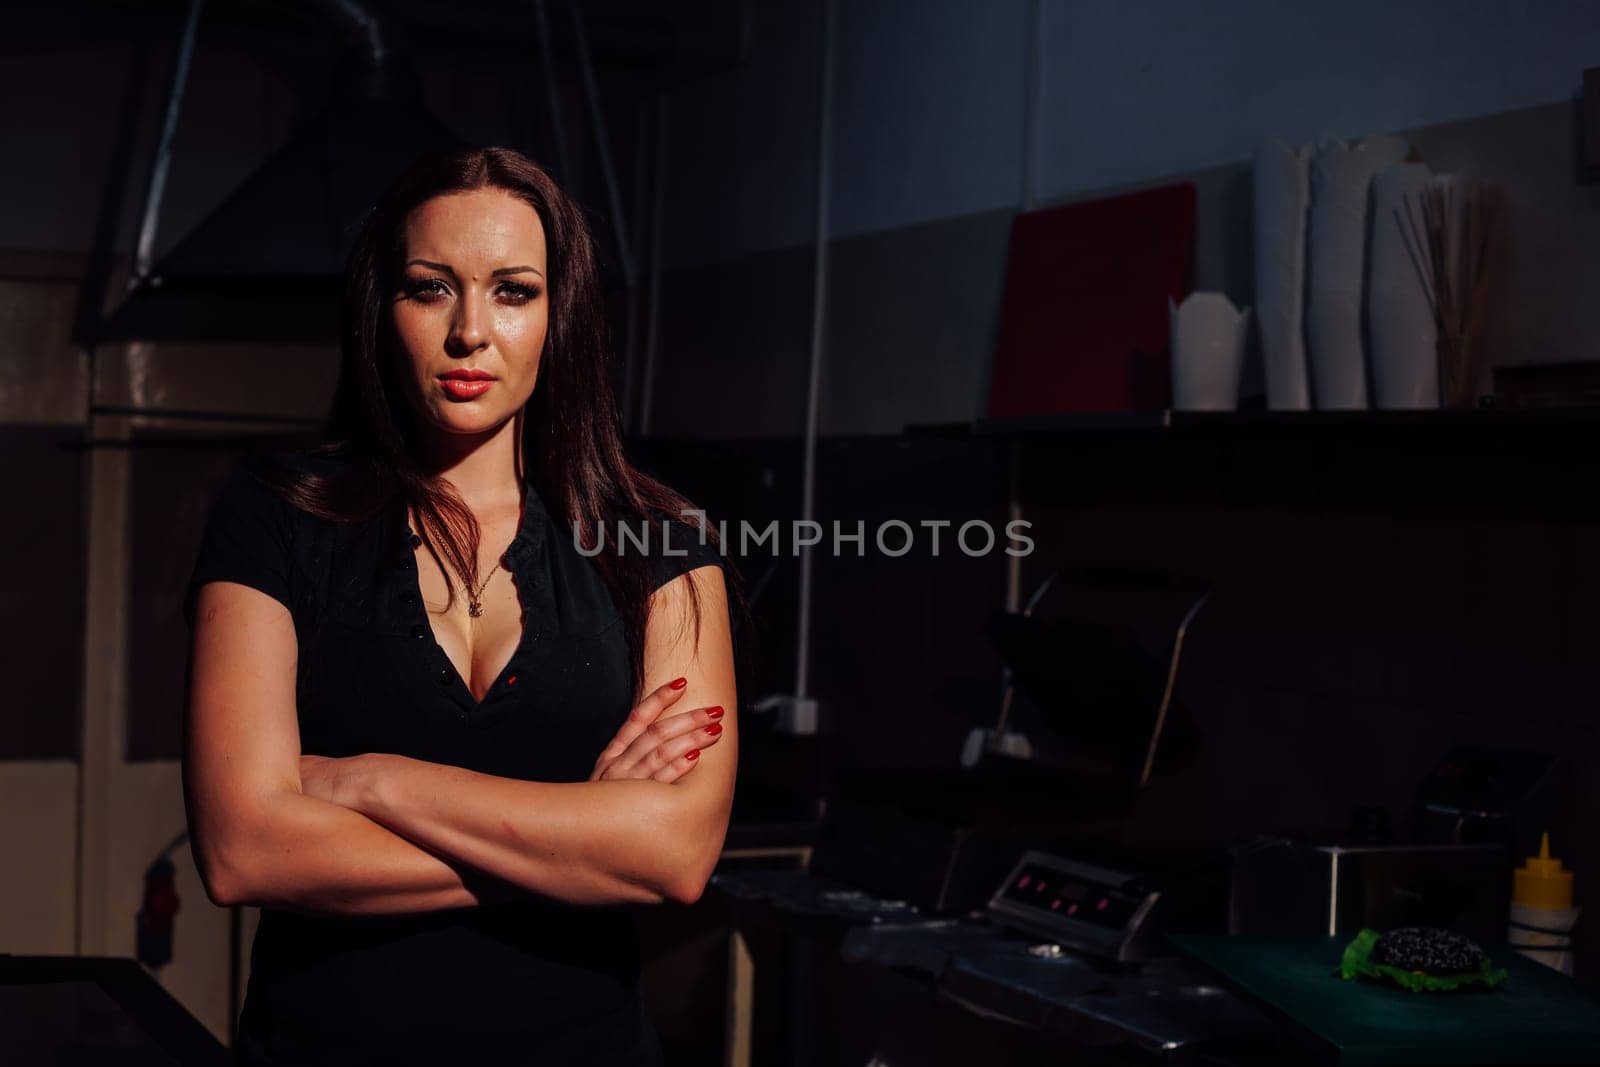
x: 466, y: 383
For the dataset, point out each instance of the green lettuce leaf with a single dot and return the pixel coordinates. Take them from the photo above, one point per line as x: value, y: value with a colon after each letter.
x: 1357, y: 963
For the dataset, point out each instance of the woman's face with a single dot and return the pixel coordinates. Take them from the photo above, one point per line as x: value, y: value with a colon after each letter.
x: 471, y: 310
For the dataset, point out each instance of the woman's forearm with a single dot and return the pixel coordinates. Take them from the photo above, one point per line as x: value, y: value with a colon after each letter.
x: 302, y: 853
x: 596, y: 843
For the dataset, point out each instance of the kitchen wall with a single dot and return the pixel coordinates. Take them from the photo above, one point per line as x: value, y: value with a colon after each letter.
x: 930, y: 152
x: 931, y: 100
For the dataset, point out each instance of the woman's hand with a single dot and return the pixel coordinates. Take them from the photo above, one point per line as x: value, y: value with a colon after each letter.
x: 661, y: 749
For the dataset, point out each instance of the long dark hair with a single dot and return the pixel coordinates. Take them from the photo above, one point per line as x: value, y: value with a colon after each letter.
x: 570, y: 431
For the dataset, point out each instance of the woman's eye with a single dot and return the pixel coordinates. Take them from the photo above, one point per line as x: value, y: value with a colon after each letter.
x: 428, y: 288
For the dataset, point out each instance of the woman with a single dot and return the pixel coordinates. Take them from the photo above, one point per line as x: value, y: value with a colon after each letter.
x: 444, y: 800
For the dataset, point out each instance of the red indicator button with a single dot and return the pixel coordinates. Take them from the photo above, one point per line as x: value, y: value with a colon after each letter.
x: 1022, y: 883
x: 1038, y: 887
x: 1101, y: 904
x: 1072, y: 909
x: 1056, y: 903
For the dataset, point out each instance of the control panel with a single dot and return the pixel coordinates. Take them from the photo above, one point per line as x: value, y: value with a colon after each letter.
x: 1078, y: 905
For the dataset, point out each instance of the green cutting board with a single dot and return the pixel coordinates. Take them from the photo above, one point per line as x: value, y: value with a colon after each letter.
x: 1536, y: 1016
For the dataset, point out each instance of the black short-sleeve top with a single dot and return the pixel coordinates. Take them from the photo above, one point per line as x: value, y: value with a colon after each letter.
x: 534, y: 981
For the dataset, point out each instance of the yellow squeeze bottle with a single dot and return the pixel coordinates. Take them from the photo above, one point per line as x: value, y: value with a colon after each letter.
x: 1542, y: 915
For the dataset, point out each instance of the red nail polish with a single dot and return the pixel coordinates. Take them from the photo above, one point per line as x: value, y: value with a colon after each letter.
x: 679, y: 683
x: 714, y: 713
x: 693, y: 753
x: 714, y: 729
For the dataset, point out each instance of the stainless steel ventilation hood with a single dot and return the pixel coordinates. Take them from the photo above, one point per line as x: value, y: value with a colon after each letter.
x: 265, y: 265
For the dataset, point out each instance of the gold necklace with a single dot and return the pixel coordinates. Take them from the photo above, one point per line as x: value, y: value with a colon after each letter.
x: 475, y: 604
x: 475, y: 599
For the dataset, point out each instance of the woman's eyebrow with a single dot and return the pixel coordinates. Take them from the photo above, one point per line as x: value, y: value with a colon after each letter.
x: 496, y: 274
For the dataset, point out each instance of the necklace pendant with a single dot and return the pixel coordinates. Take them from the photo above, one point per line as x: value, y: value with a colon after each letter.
x: 474, y: 608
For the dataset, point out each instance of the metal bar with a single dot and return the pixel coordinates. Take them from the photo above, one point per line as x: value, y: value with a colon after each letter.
x: 1031, y: 22
x: 1166, y: 694
x: 819, y: 319
x: 1333, y: 894
x: 552, y: 92
x: 145, y: 245
x: 105, y: 697
x: 1013, y: 514
x: 597, y: 126
x: 91, y: 310
x: 1013, y: 597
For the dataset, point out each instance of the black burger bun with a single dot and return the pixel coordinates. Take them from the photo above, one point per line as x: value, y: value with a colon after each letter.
x: 1427, y: 949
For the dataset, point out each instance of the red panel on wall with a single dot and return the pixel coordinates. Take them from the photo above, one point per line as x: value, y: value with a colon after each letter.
x: 1084, y: 322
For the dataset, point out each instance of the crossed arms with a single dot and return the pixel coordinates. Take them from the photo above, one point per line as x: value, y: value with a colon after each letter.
x: 401, y: 835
